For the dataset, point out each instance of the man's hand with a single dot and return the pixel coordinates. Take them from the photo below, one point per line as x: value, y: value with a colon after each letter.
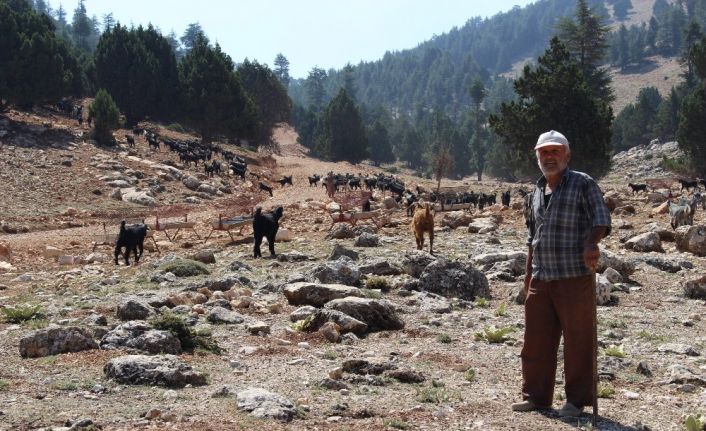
x: 591, y: 253
x: 528, y: 278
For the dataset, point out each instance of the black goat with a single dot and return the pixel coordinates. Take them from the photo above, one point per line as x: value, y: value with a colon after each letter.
x: 505, y: 198
x: 266, y: 225
x: 130, y: 141
x: 131, y: 237
x: 314, y: 180
x: 285, y: 180
x: 638, y: 187
x: 688, y: 184
x: 213, y: 168
x: 266, y: 188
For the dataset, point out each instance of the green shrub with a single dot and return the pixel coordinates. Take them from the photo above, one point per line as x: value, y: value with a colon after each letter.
x: 444, y: 338
x: 184, y: 268
x: 491, y: 334
x: 378, y: 283
x: 22, y: 313
x: 303, y: 325
x: 481, y: 302
x: 106, y: 117
x: 396, y: 423
x: 4, y: 385
x: 605, y: 391
x: 372, y: 294
x: 616, y: 351
x: 502, y: 310
x: 176, y: 127
x: 433, y: 395
x: 189, y: 339
x: 470, y: 375
x: 679, y: 165
x: 695, y: 423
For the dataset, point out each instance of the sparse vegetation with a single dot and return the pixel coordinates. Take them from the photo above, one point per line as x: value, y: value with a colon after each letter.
x: 615, y: 351
x: 605, y: 391
x: 433, y: 395
x: 481, y: 302
x: 185, y: 268
x: 470, y: 375
x: 678, y: 165
x: 4, y: 385
x: 695, y: 423
x: 372, y: 294
x: 444, y: 338
x: 189, y: 339
x: 491, y: 334
x: 303, y: 325
x: 22, y: 313
x: 501, y: 311
x: 378, y: 283
x: 396, y: 423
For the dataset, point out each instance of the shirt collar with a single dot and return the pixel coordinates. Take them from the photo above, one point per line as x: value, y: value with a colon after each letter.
x: 541, y: 182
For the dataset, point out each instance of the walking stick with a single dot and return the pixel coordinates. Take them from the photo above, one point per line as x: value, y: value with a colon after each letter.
x: 595, y: 348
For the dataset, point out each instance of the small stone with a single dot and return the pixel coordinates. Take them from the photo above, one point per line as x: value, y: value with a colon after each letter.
x: 631, y: 395
x: 336, y: 373
x: 153, y: 414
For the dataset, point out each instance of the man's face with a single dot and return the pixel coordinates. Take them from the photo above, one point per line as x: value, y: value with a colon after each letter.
x: 553, y: 159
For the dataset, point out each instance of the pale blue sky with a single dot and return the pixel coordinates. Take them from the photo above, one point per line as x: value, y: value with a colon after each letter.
x: 323, y: 33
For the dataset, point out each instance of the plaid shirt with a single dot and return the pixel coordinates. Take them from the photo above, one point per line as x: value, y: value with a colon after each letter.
x: 557, y: 232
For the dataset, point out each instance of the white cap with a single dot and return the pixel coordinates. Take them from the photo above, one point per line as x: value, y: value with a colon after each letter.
x: 551, y: 137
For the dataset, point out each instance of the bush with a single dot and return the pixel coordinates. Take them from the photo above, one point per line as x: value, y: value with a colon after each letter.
x: 176, y: 127
x: 679, y: 165
x: 470, y: 375
x: 184, y: 268
x: 303, y: 325
x: 444, y: 338
x: 378, y: 283
x: 605, y: 391
x: 616, y: 351
x: 189, y: 339
x: 695, y: 423
x: 106, y: 117
x: 22, y: 313
x: 491, y: 334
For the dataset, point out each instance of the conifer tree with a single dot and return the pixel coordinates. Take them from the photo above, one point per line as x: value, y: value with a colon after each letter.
x: 282, y: 69
x: 105, y: 116
x: 556, y: 96
x: 692, y: 127
x: 342, y: 134
x: 585, y: 37
x: 379, y: 143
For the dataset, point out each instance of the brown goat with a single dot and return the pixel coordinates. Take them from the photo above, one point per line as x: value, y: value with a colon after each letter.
x: 423, y: 221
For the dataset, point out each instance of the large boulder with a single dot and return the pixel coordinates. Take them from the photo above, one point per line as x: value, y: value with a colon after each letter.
x: 454, y: 219
x: 132, y: 309
x: 220, y: 314
x: 52, y: 341
x: 380, y: 267
x: 339, y: 250
x: 141, y: 336
x: 603, y: 289
x: 610, y: 260
x: 266, y: 405
x: 454, y: 280
x: 341, y: 231
x: 344, y: 322
x: 139, y: 197
x: 696, y: 289
x: 367, y: 240
x: 340, y: 271
x: 692, y: 239
x: 414, y: 262
x: 646, y: 242
x: 483, y: 225
x: 316, y: 294
x: 191, y: 183
x: 164, y: 370
x: 378, y: 314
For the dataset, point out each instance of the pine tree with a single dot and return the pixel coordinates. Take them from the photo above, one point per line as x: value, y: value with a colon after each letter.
x: 81, y: 28
x: 342, y: 135
x: 623, y: 47
x: 692, y: 36
x: 379, y: 143
x: 282, y: 69
x: 585, y: 37
x: 315, y: 83
x: 105, y: 116
x: 478, y: 142
x: 349, y: 81
x: 556, y: 96
x: 193, y: 34
x: 108, y: 21
x: 213, y: 96
x: 692, y: 127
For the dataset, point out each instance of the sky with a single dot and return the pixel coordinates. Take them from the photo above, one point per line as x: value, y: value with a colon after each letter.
x: 323, y: 33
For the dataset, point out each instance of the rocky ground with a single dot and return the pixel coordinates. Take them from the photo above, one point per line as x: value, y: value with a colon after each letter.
x: 348, y: 328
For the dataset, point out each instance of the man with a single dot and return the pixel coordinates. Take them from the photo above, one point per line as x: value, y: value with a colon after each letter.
x: 568, y: 218
x: 330, y: 185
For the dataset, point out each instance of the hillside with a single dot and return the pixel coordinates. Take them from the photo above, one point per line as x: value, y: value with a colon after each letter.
x: 434, y: 373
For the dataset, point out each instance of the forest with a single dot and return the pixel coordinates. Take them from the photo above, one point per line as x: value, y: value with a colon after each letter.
x: 446, y: 99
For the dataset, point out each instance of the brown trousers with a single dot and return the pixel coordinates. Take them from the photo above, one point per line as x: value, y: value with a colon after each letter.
x: 554, y: 308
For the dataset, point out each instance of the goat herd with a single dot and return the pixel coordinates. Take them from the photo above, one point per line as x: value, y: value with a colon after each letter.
x: 681, y: 213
